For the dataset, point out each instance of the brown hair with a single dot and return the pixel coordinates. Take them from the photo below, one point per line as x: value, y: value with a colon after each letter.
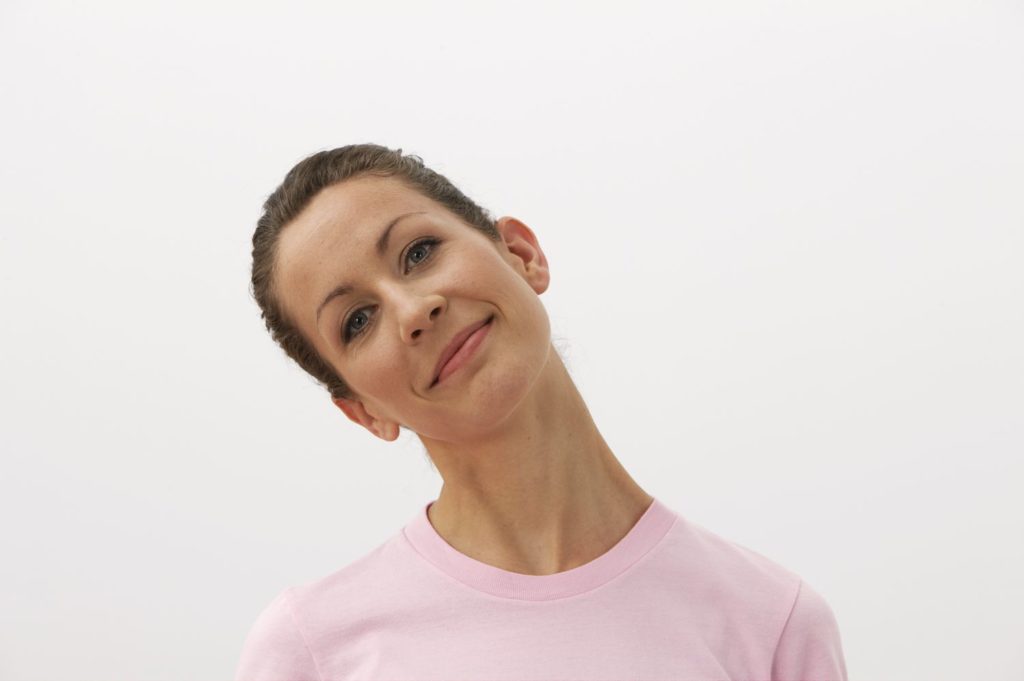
x: 300, y: 186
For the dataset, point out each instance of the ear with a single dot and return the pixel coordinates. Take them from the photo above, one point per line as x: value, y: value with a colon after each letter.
x: 356, y: 412
x: 527, y: 258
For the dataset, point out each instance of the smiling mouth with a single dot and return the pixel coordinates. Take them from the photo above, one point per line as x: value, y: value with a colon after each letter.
x: 437, y: 379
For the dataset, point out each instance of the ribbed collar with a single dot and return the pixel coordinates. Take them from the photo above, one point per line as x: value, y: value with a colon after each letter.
x: 641, y: 538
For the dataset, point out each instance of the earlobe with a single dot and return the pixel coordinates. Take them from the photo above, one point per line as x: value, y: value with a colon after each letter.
x: 391, y: 431
x: 356, y: 412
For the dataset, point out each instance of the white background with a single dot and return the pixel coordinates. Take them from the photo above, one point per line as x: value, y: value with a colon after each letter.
x: 786, y: 243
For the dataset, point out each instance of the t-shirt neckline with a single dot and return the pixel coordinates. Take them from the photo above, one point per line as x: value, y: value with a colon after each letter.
x: 648, y: 530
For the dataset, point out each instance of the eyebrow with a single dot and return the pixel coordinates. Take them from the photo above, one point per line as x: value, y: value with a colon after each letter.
x: 382, y: 248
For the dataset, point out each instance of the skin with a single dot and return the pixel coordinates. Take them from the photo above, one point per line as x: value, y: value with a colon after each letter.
x: 530, y: 486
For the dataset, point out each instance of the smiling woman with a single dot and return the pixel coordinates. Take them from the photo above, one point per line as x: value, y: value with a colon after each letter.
x: 541, y: 557
x: 296, y: 193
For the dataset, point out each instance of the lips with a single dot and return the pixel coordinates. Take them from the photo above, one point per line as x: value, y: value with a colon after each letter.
x: 456, y: 343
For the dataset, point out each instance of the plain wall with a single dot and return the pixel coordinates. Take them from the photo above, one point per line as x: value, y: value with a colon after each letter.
x: 785, y: 241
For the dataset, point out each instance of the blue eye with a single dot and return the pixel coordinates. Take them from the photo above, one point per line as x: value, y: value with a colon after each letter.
x: 348, y: 333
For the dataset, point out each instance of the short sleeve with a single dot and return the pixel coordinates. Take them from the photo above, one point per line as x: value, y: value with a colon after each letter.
x: 810, y: 648
x: 275, y: 648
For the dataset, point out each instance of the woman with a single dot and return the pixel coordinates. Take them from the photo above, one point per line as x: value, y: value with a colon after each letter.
x: 541, y: 558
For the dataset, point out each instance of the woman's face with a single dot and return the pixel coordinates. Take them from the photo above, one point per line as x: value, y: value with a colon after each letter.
x: 435, y: 277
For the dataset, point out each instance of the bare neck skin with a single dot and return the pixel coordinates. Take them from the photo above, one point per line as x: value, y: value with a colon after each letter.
x: 541, y: 494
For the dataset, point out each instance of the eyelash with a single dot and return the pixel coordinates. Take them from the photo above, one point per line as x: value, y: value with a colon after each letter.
x: 427, y: 241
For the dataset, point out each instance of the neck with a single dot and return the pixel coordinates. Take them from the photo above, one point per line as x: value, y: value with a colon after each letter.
x: 542, y: 494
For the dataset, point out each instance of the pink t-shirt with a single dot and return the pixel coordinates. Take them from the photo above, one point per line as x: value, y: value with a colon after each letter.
x: 670, y: 601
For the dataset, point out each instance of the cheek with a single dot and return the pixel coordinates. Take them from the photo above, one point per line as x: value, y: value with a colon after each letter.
x: 384, y: 376
x: 491, y: 275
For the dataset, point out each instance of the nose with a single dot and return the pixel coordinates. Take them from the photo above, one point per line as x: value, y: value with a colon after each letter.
x: 418, y: 314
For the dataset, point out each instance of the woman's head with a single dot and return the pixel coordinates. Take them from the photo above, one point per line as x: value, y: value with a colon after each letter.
x: 447, y: 265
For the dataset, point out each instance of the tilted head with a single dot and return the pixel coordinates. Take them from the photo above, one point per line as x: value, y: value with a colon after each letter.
x: 370, y: 319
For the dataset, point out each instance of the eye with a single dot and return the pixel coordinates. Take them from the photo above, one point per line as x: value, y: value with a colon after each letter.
x: 426, y: 245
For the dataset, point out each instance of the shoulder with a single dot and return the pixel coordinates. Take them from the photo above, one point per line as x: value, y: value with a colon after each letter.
x: 755, y: 599
x: 731, y: 571
x: 275, y: 648
x: 287, y: 640
x: 288, y: 637
x: 351, y: 587
x: 810, y: 645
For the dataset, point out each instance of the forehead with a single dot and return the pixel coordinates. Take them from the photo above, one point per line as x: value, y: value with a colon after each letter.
x: 336, y: 233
